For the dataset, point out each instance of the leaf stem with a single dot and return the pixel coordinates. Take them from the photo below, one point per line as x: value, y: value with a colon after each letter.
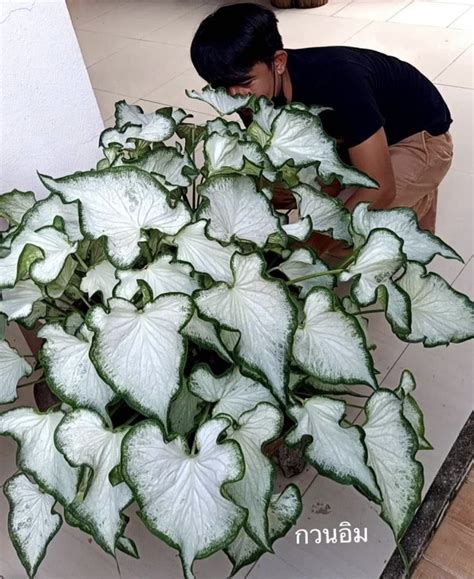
x: 131, y: 419
x: 201, y: 422
x: 52, y: 305
x: 147, y: 252
x: 81, y: 262
x: 300, y: 400
x: 32, y: 382
x: 312, y: 275
x: 404, y: 558
x: 347, y: 261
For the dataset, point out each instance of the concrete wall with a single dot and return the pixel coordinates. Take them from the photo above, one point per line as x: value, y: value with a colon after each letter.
x: 49, y: 118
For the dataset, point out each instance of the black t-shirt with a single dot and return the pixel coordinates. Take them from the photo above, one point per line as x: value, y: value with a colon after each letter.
x: 367, y: 90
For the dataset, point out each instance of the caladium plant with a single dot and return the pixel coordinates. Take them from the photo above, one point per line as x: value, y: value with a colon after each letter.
x: 186, y: 325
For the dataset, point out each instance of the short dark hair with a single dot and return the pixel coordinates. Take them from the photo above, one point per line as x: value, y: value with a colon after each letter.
x: 231, y: 40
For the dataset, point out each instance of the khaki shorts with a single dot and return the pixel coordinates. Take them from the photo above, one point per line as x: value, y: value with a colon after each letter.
x: 420, y: 162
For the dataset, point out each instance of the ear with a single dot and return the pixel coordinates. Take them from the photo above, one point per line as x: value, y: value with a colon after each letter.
x: 280, y: 58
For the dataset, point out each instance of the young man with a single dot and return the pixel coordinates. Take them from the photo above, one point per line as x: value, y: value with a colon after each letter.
x: 388, y: 119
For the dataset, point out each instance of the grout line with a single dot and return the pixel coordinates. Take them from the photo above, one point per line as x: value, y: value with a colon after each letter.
x: 398, y: 11
x: 343, y: 7
x: 453, y: 86
x: 360, y: 30
x: 458, y: 17
x: 452, y: 62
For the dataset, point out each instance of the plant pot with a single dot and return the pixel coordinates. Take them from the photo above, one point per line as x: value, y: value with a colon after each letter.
x: 298, y: 3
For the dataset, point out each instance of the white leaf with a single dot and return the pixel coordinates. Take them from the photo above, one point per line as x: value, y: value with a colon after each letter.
x: 184, y: 502
x: 300, y: 230
x: 38, y: 455
x: 328, y: 215
x: 283, y: 512
x: 392, y: 445
x: 69, y: 370
x: 373, y: 269
x: 262, y: 312
x: 32, y: 523
x: 12, y: 368
x: 175, y: 167
x: 233, y: 392
x: 204, y: 254
x: 18, y: 301
x: 335, y: 451
x: 122, y: 139
x: 140, y: 353
x: 255, y: 428
x: 299, y: 135
x: 119, y: 203
x: 440, y: 314
x: 418, y: 245
x: 303, y: 261
x: 51, y: 248
x: 163, y: 275
x: 222, y: 127
x: 235, y: 209
x: 411, y: 410
x: 266, y: 114
x: 330, y: 344
x: 351, y: 307
x: 155, y: 127
x: 205, y: 334
x: 14, y: 204
x: 227, y: 152
x: 44, y: 212
x: 219, y: 100
x: 100, y: 278
x: 83, y: 438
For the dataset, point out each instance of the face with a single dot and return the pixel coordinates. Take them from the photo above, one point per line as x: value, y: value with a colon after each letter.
x: 260, y: 82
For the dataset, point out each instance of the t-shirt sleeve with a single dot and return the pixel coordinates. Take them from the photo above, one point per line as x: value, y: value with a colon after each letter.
x: 354, y: 102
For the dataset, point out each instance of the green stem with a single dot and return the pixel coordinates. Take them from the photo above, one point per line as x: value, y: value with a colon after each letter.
x: 131, y: 419
x: 300, y: 400
x: 147, y: 252
x: 312, y: 275
x: 348, y: 422
x: 347, y: 261
x: 52, y: 305
x: 81, y: 262
x: 404, y: 558
x: 85, y: 301
x: 203, y: 419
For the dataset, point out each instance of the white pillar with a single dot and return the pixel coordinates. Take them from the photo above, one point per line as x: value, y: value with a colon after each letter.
x: 49, y: 118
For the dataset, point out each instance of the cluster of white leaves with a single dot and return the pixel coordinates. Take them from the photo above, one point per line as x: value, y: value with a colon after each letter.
x: 132, y: 269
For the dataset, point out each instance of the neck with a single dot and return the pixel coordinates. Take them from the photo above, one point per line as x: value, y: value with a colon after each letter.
x: 287, y: 86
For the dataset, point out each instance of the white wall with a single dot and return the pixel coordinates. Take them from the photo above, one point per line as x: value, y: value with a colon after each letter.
x: 49, y: 118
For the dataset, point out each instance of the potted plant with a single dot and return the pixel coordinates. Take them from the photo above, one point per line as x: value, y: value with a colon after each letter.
x: 182, y: 332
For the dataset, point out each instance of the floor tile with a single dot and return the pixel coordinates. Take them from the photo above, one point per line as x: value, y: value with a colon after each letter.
x: 182, y: 30
x: 451, y: 549
x: 81, y: 11
x: 461, y: 104
x: 460, y: 72
x: 139, y: 68
x: 462, y: 508
x: 326, y: 505
x: 454, y: 221
x: 430, y: 49
x: 430, y: 14
x: 299, y: 29
x: 95, y: 46
x: 329, y: 9
x: 465, y: 22
x: 373, y: 10
x: 136, y: 19
x: 427, y: 570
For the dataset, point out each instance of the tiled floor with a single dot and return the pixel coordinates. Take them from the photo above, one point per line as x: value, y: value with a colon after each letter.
x: 450, y: 552
x: 138, y: 50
